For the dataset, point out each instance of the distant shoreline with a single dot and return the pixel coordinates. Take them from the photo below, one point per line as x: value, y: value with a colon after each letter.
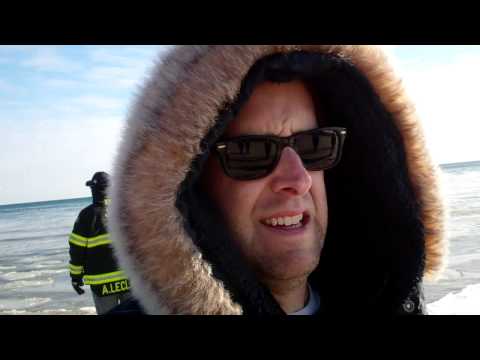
x: 442, y: 166
x: 46, y: 201
x: 460, y: 164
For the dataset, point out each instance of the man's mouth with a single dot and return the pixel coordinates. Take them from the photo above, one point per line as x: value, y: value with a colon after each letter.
x: 290, y: 222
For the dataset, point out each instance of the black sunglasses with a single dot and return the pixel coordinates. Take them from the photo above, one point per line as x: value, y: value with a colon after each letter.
x: 256, y: 156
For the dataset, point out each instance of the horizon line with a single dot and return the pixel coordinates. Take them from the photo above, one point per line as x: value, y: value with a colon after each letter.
x: 453, y: 164
x: 45, y: 201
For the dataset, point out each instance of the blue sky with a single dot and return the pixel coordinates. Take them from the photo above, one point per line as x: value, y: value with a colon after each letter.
x: 62, y: 109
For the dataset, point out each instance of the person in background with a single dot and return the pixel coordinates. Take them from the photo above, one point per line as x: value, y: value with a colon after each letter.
x: 92, y: 261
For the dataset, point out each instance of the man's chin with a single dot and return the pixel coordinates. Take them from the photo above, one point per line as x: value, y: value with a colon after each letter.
x: 288, y: 267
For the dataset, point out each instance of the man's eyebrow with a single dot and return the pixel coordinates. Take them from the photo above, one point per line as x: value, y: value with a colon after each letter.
x: 222, y: 138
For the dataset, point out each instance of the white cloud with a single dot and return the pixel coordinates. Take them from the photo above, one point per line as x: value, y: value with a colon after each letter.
x: 10, y: 91
x: 7, y: 87
x: 11, y: 104
x: 122, y: 56
x: 49, y: 59
x: 116, y: 76
x: 121, y: 66
x: 98, y: 102
x: 10, y: 48
x: 62, y: 83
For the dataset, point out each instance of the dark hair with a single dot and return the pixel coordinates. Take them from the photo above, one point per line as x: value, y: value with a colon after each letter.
x: 283, y: 68
x: 374, y: 245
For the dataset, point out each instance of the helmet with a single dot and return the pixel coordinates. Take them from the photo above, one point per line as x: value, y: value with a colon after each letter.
x: 99, y: 180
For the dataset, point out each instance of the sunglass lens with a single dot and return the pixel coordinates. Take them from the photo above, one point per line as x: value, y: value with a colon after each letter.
x: 317, y: 150
x: 250, y: 159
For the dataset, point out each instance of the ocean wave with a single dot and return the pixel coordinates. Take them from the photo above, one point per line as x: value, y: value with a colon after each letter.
x: 14, y: 276
x: 36, y: 237
x: 22, y: 304
x: 14, y: 228
x: 50, y: 263
x: 31, y: 258
x: 14, y: 312
x: 7, y: 267
x: 25, y: 283
x: 61, y: 311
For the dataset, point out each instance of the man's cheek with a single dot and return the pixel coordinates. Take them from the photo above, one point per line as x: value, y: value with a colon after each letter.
x: 321, y: 208
x: 318, y: 191
x: 239, y: 208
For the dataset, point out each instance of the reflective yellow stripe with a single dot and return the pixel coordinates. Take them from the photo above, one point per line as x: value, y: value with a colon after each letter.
x: 99, y: 282
x: 77, y: 240
x: 89, y: 242
x: 99, y: 240
x: 106, y: 275
x: 77, y: 237
x: 98, y: 244
x: 104, y: 236
x: 76, y: 270
x: 81, y: 244
x: 104, y: 278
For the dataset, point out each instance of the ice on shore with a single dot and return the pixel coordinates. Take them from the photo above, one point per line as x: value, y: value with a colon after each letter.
x: 465, y: 302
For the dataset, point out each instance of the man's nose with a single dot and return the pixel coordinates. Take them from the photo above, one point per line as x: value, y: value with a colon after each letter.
x: 290, y: 176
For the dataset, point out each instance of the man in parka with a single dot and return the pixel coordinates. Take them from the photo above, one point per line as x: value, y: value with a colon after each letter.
x: 273, y: 180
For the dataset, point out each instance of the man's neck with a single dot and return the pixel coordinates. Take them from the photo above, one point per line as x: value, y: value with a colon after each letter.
x: 291, y: 297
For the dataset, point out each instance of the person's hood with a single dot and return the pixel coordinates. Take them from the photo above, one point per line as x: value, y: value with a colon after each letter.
x: 170, y: 125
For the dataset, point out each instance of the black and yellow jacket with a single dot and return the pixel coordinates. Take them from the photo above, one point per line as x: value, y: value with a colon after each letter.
x: 91, y: 253
x: 386, y: 231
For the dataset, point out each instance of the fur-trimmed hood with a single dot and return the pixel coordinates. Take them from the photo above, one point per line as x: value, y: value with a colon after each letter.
x: 156, y: 236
